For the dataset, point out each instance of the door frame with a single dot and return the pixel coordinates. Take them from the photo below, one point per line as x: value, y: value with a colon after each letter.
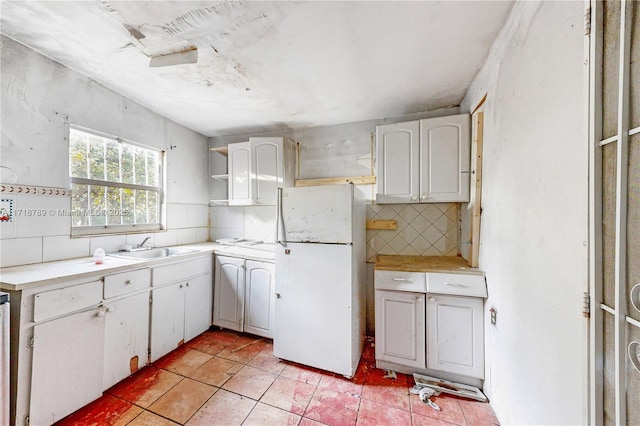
x: 594, y: 48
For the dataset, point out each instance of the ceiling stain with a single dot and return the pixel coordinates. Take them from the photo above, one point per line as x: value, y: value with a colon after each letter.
x: 305, y: 63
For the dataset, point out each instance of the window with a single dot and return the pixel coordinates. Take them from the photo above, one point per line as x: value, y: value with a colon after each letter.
x: 116, y: 185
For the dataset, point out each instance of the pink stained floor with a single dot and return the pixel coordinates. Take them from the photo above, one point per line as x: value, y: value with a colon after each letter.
x: 228, y: 378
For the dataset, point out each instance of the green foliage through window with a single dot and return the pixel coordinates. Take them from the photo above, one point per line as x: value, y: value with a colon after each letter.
x: 113, y: 183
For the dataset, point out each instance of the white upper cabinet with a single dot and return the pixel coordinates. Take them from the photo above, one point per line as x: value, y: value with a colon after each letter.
x: 257, y: 169
x: 424, y: 160
x: 398, y: 162
x: 240, y: 174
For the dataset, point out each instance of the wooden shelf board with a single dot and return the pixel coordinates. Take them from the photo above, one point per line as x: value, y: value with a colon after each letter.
x: 381, y: 224
x: 356, y: 180
x: 221, y: 150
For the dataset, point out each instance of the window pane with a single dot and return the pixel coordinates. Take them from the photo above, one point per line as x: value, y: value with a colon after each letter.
x: 141, y: 170
x: 128, y: 206
x: 97, y: 205
x: 79, y: 203
x: 96, y: 159
x: 113, y: 161
x: 153, y: 168
x: 103, y: 158
x: 152, y: 198
x: 77, y: 155
x: 127, y: 163
x: 114, y: 216
x: 141, y: 206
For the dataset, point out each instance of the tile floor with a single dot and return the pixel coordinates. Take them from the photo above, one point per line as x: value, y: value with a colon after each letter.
x: 227, y: 378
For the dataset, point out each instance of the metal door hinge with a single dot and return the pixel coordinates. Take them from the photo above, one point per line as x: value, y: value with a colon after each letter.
x: 150, y: 298
x: 586, y: 305
x: 587, y: 22
x: 32, y: 341
x: 26, y: 420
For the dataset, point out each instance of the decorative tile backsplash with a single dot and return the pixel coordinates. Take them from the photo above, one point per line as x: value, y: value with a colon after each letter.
x: 422, y: 230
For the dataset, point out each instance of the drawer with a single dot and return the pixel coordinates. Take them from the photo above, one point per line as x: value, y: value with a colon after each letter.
x: 126, y: 282
x: 53, y: 303
x: 457, y: 284
x: 182, y: 270
x: 400, y: 281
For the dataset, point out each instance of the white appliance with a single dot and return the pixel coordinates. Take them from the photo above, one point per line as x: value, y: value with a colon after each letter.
x: 4, y: 358
x: 320, y: 274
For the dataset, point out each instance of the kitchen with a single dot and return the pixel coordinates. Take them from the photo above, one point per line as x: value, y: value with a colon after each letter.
x: 534, y: 249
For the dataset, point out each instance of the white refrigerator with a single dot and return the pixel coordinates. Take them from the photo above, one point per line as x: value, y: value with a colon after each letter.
x: 320, y: 274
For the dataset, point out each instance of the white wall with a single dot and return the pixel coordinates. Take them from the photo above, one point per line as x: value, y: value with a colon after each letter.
x: 39, y: 97
x: 534, y: 214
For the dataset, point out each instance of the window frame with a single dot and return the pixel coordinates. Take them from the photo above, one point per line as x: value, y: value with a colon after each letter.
x: 118, y: 229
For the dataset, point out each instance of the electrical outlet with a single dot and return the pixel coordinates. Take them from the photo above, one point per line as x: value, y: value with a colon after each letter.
x: 494, y: 312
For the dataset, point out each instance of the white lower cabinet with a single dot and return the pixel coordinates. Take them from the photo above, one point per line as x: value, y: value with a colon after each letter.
x: 400, y: 328
x: 126, y: 307
x: 244, y: 293
x: 126, y: 337
x: 455, y: 335
x: 228, y: 297
x: 75, y: 339
x: 197, y: 306
x: 431, y: 323
x: 67, y: 365
x: 259, y: 293
x: 167, y: 319
x: 180, y: 310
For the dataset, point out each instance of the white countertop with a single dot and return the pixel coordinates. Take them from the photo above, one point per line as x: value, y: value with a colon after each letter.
x: 34, y: 275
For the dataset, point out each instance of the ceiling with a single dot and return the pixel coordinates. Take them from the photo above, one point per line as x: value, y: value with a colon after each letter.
x: 267, y: 65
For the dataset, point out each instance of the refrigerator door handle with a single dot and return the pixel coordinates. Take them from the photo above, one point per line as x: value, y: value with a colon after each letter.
x: 280, y: 220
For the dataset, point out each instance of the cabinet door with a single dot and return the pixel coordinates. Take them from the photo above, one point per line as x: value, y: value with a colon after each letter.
x: 167, y: 319
x: 455, y: 335
x: 259, y: 298
x: 240, y: 174
x: 444, y: 159
x: 400, y: 330
x: 67, y: 365
x: 198, y: 304
x: 268, y: 169
x: 397, y: 160
x: 126, y: 337
x: 228, y: 298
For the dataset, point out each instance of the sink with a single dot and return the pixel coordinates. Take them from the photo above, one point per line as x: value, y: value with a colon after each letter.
x: 153, y: 253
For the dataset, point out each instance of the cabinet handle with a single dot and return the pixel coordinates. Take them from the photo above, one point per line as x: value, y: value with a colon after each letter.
x: 128, y: 282
x: 187, y: 284
x: 401, y: 279
x: 419, y: 299
x: 424, y: 197
x: 414, y: 198
x: 432, y: 299
x: 110, y: 309
x: 456, y: 285
x: 181, y: 285
x: 100, y: 314
x: 278, y: 296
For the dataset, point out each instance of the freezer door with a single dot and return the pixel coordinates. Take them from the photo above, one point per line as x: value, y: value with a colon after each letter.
x: 319, y: 214
x: 313, y: 307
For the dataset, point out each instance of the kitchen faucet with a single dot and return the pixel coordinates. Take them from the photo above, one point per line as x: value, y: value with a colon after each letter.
x: 141, y: 245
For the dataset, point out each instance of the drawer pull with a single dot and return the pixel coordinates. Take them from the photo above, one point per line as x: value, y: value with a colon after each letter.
x: 456, y: 285
x: 401, y: 279
x: 128, y: 282
x: 100, y: 314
